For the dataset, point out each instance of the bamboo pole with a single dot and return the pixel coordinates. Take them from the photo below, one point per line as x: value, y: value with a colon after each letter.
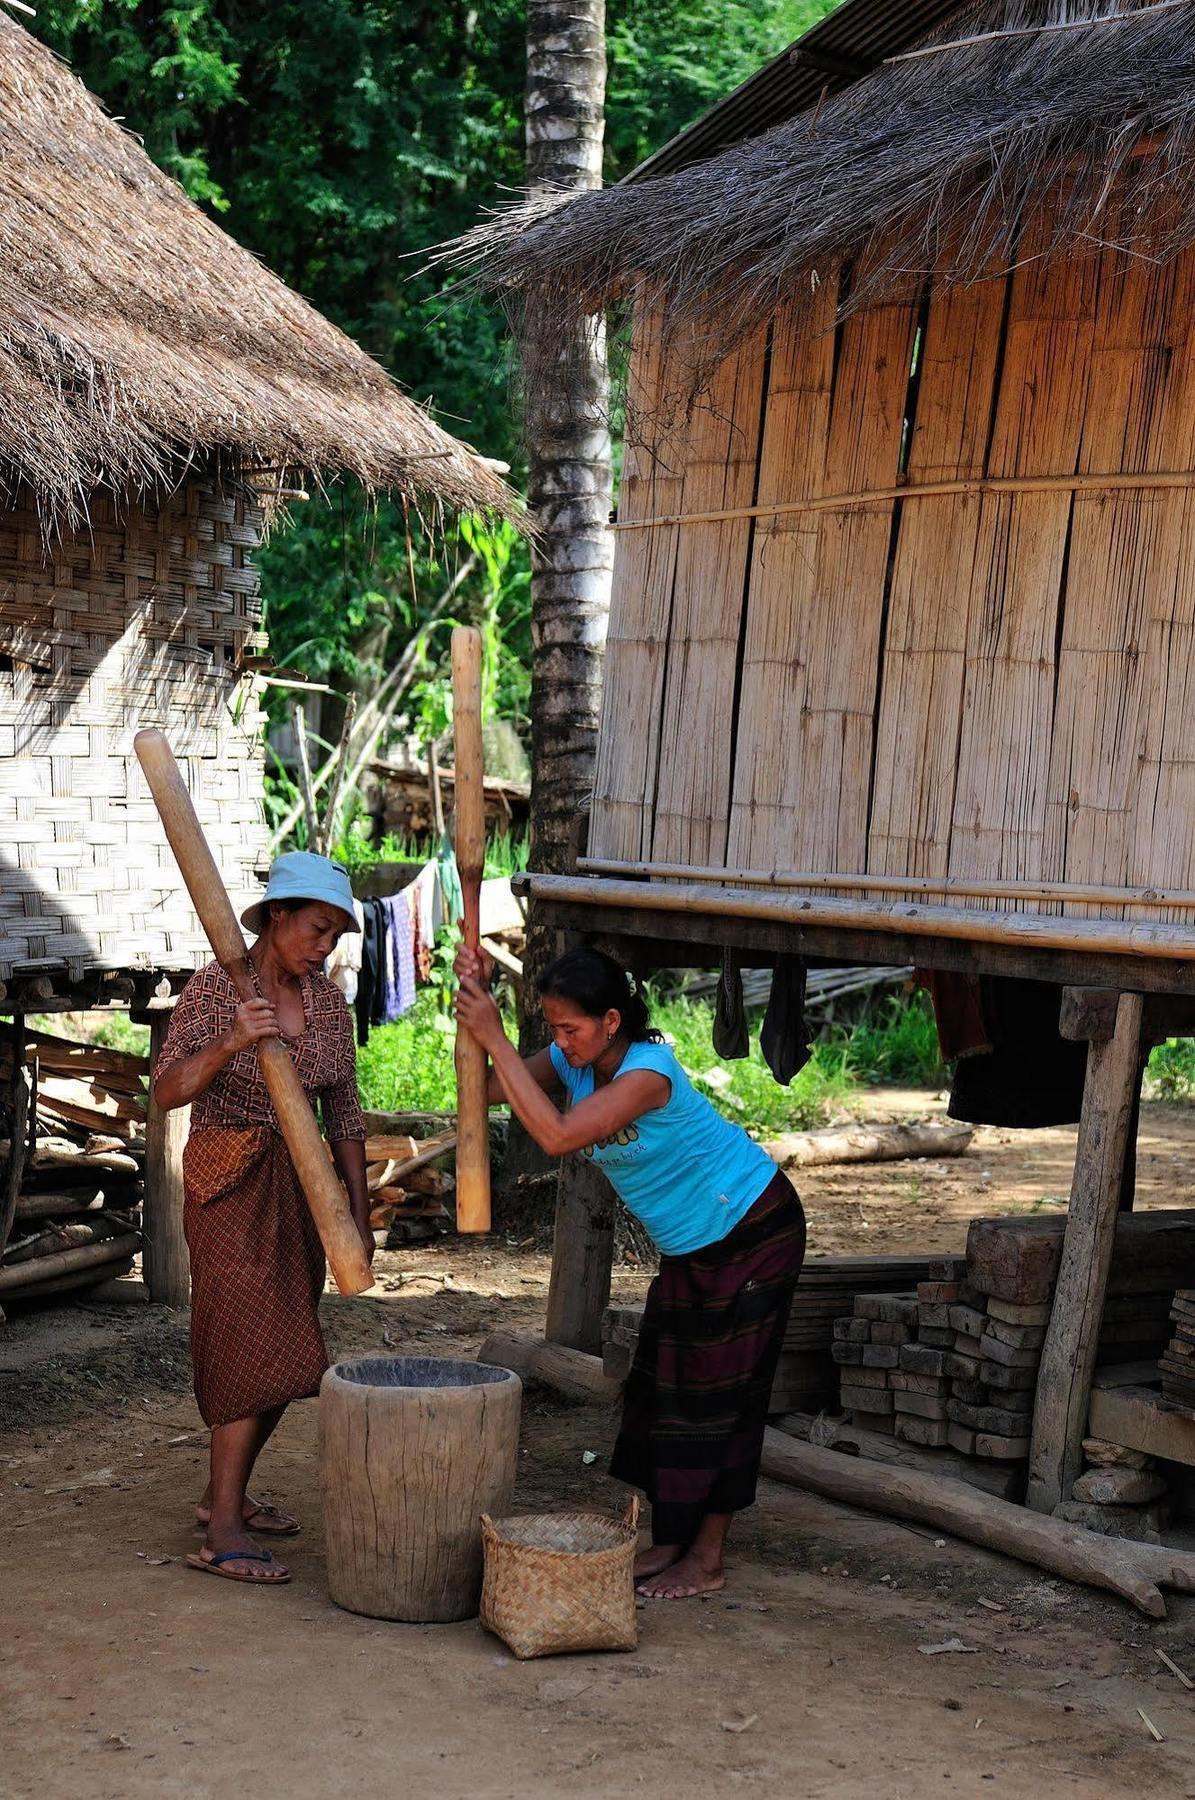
x: 928, y: 490
x: 298, y: 721
x: 472, y: 1076
x: 326, y: 836
x: 296, y: 1121
x: 995, y: 37
x: 893, y: 884
x: 1033, y: 931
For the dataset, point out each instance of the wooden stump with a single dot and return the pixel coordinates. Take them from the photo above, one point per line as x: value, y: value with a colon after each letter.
x: 582, y: 1256
x: 164, y: 1258
x: 413, y: 1449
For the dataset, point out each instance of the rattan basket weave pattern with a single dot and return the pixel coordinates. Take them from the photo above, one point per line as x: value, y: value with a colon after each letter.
x: 560, y: 1581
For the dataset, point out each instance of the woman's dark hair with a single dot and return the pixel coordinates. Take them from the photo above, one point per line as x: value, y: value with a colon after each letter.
x: 598, y: 985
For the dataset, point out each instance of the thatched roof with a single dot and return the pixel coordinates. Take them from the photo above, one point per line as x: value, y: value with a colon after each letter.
x: 135, y: 334
x: 937, y: 162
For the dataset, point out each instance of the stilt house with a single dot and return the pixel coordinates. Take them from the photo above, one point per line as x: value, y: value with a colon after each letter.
x: 159, y: 388
x: 900, y: 649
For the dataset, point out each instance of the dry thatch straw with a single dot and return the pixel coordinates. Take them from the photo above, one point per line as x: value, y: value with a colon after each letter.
x: 136, y: 337
x: 938, y: 164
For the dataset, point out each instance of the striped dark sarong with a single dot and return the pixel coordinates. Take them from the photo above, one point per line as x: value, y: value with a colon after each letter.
x: 696, y: 1400
x: 257, y: 1273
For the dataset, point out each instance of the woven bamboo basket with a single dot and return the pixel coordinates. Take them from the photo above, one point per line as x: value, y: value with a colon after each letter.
x: 560, y: 1581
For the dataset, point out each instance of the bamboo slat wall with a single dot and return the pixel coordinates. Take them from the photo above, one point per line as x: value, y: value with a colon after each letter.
x: 136, y: 621
x: 979, y: 685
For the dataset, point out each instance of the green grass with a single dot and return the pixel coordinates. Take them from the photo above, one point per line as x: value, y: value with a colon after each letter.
x: 408, y: 1065
x: 504, y: 854
x: 1170, y: 1071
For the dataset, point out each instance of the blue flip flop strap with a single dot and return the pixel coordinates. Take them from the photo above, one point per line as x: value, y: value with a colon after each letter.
x: 223, y: 1556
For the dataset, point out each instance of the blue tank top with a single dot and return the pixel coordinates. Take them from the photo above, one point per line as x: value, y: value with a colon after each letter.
x: 689, y: 1174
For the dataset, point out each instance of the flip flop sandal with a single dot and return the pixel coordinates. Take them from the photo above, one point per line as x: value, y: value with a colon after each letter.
x: 285, y: 1527
x: 214, y: 1565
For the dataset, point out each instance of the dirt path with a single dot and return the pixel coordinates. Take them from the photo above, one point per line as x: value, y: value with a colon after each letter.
x: 124, y: 1674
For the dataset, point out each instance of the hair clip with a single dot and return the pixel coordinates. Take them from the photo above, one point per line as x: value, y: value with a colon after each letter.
x: 632, y: 987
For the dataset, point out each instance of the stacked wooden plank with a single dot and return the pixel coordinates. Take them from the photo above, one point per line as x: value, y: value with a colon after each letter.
x: 407, y: 1194
x: 78, y: 1210
x: 806, y: 1378
x: 957, y: 1363
x: 1178, y: 1359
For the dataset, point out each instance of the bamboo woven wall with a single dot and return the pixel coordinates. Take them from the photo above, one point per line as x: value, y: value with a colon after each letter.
x: 991, y: 684
x: 137, y: 621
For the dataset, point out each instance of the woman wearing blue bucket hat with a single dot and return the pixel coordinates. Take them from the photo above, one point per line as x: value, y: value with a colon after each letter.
x: 257, y: 1265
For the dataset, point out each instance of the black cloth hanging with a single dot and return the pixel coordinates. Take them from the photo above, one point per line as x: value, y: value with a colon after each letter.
x: 732, y: 1040
x: 1031, y: 1076
x: 783, y: 1038
x: 371, y: 984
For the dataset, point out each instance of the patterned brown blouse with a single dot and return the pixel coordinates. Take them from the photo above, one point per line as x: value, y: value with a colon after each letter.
x: 324, y: 1056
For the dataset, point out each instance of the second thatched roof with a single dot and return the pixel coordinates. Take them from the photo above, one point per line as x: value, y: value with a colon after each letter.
x: 1055, y: 122
x: 136, y: 336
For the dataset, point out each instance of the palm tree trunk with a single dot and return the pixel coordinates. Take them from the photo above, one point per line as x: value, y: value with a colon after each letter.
x: 569, y: 480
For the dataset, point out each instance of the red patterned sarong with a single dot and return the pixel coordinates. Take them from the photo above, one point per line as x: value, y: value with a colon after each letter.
x: 257, y: 1273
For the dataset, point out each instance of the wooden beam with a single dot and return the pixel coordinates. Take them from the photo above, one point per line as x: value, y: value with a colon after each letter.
x: 582, y: 1256
x: 1088, y: 1015
x: 657, y: 941
x: 1132, y: 1416
x: 165, y: 1261
x: 1068, y: 1357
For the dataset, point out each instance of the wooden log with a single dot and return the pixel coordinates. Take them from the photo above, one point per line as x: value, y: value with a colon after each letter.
x: 472, y: 1071
x: 69, y: 1262
x: 98, y: 1230
x: 1132, y: 1416
x: 82, y: 1200
x: 1031, y: 931
x: 165, y: 1262
x: 868, y: 1143
x: 582, y: 1256
x: 91, y: 1280
x: 412, y: 1451
x: 60, y: 1160
x: 296, y: 1121
x: 18, y: 1144
x: 572, y: 1373
x: 1068, y: 1357
x: 1137, y: 1572
x: 990, y: 1478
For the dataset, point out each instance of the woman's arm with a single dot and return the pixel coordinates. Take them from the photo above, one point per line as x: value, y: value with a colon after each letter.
x: 349, y: 1156
x: 184, y: 1080
x: 603, y: 1115
x: 542, y: 1071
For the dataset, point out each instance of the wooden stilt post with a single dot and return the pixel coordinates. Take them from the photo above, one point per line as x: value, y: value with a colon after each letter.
x: 18, y: 1100
x: 164, y: 1260
x: 1068, y: 1358
x: 582, y: 1256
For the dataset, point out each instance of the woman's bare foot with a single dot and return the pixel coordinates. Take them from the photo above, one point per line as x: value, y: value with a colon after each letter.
x: 658, y: 1558
x: 267, y: 1521
x: 684, y: 1580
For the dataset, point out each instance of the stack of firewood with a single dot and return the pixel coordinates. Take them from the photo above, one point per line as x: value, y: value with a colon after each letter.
x: 408, y: 1195
x: 76, y: 1217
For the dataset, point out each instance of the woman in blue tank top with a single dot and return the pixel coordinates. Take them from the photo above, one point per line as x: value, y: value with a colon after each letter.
x: 728, y: 1225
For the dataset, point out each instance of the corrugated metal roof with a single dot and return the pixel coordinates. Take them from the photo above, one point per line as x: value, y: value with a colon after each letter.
x: 850, y: 42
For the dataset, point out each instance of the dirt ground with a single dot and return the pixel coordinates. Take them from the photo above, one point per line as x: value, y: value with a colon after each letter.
x: 124, y: 1674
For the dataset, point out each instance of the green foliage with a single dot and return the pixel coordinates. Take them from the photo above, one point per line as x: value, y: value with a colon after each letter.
x: 1170, y: 1071
x: 339, y: 140
x: 893, y: 1043
x: 747, y: 1091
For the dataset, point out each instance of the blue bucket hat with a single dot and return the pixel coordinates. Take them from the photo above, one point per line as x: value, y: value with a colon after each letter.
x: 301, y: 876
